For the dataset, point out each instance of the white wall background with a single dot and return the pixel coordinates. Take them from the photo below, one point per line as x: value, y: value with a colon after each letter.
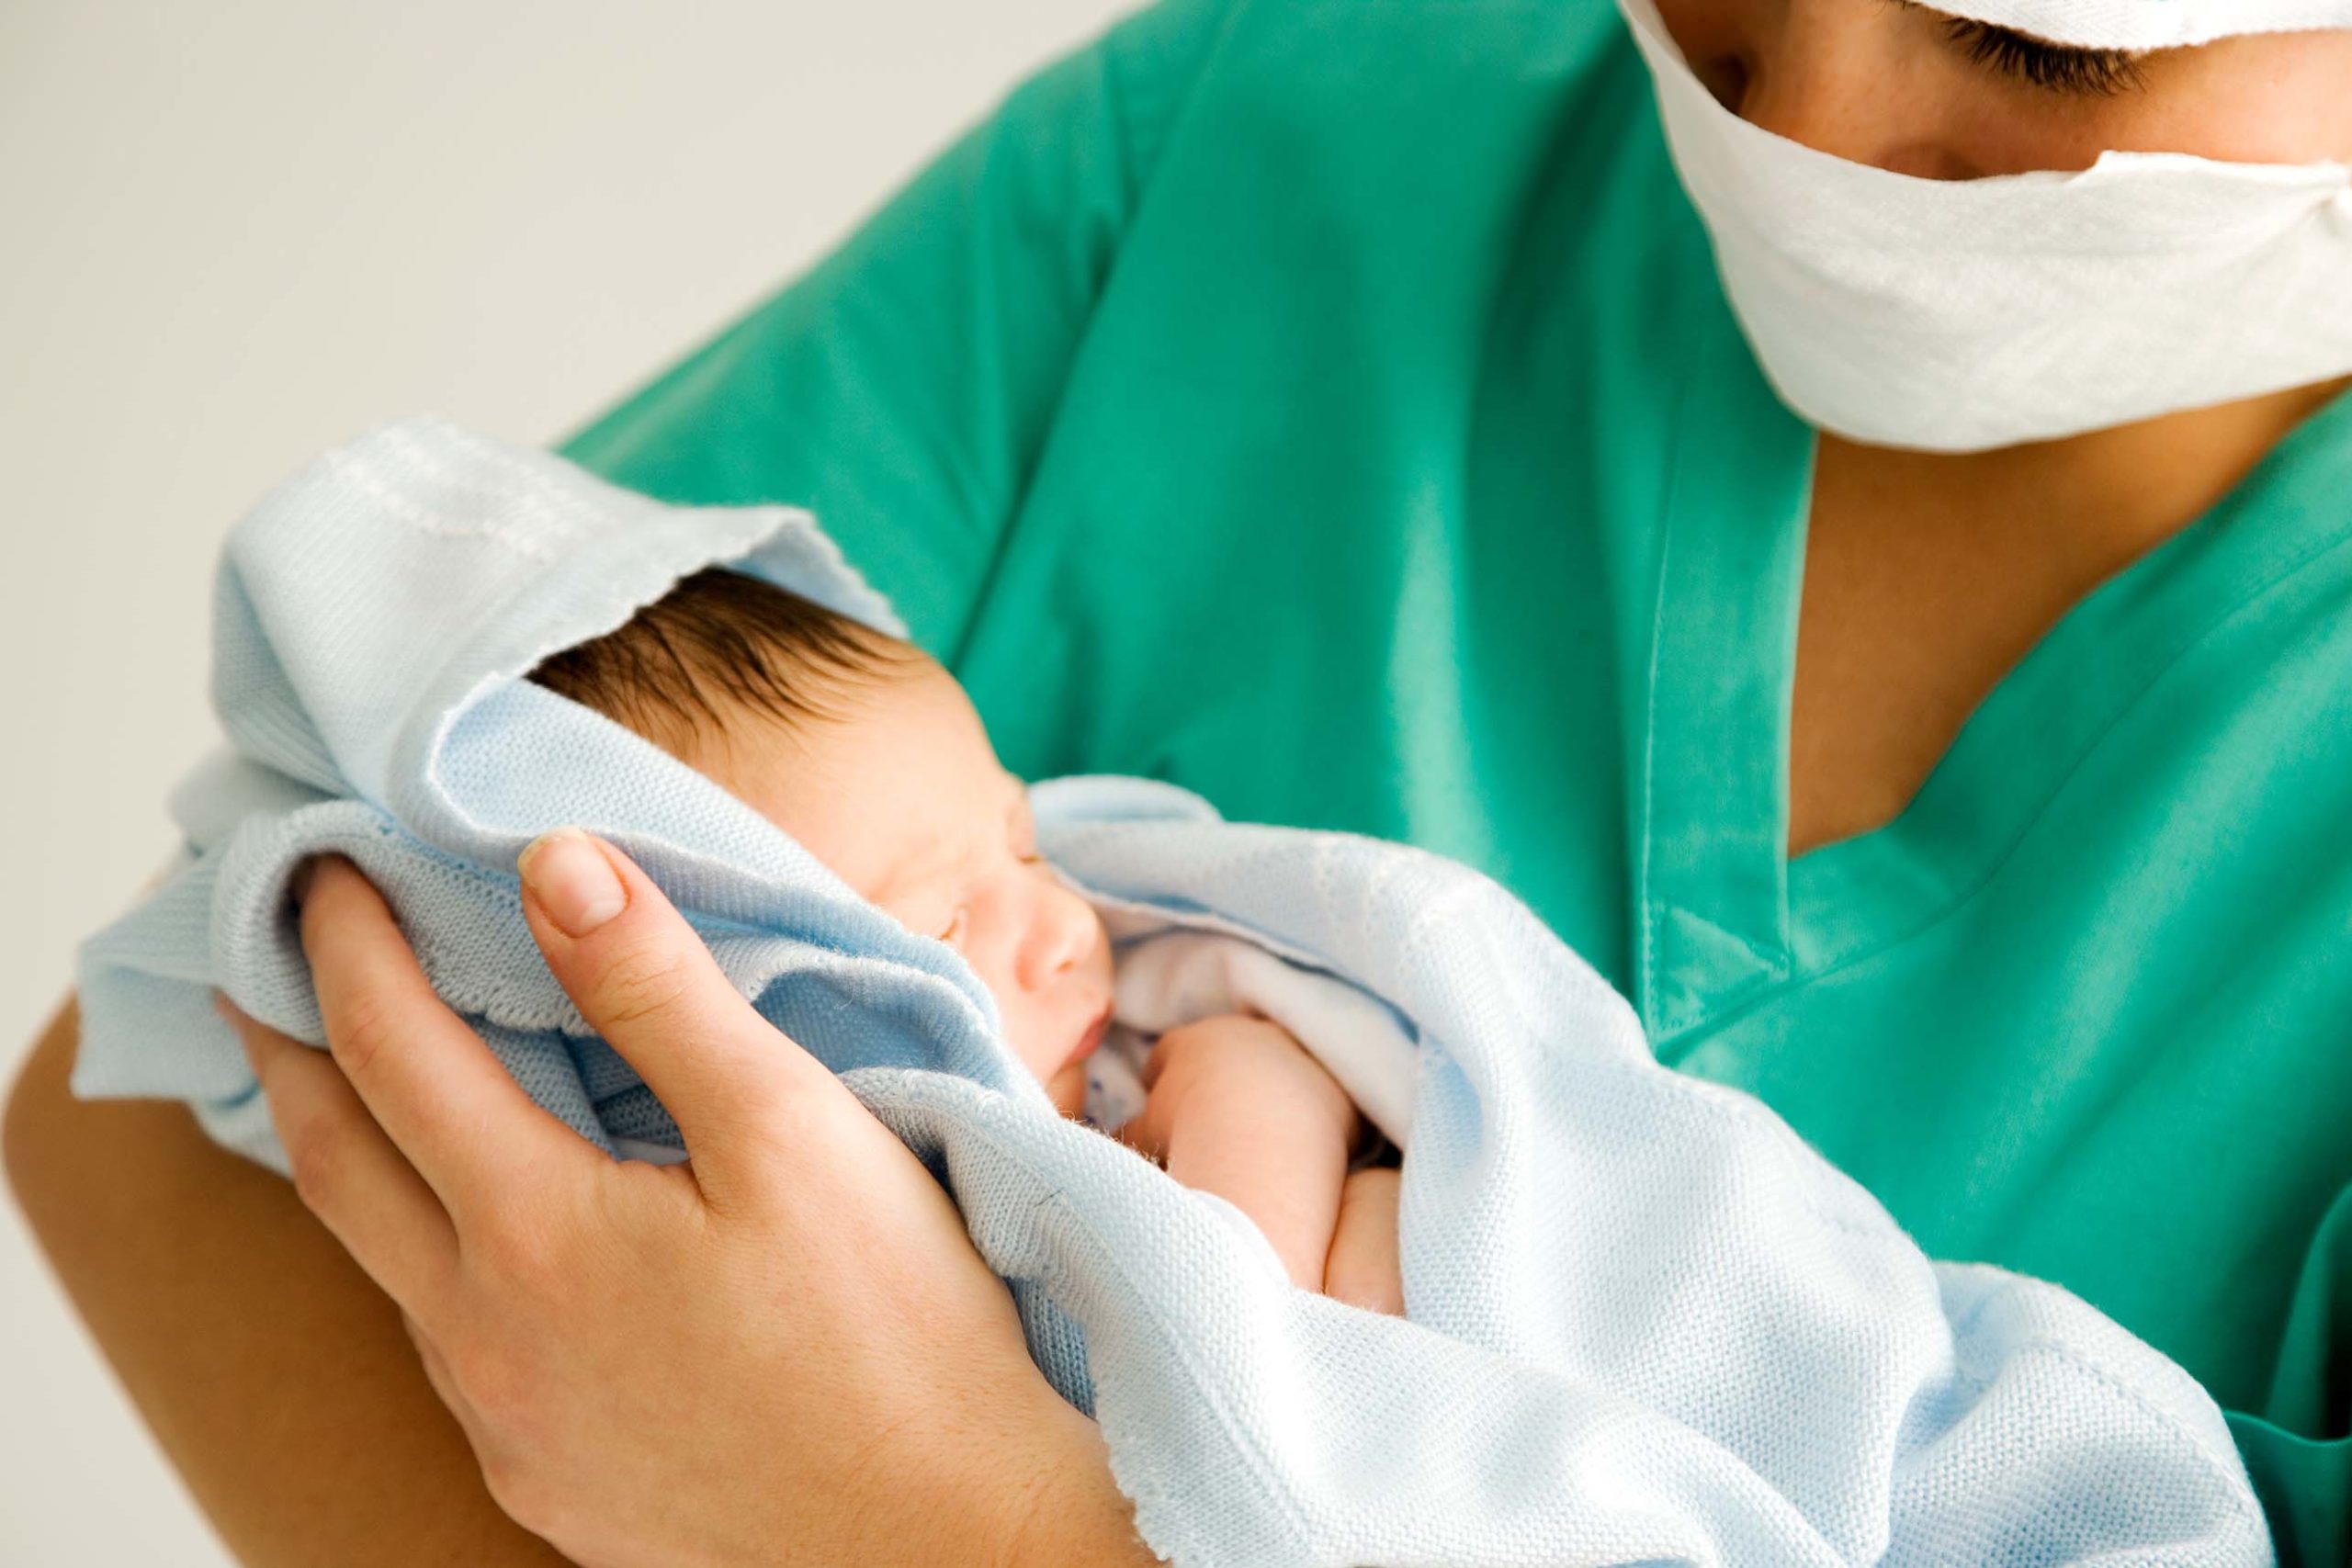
x: 236, y: 232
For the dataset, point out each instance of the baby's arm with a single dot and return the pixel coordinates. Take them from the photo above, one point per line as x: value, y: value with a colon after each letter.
x: 1366, y: 1267
x: 1238, y: 1108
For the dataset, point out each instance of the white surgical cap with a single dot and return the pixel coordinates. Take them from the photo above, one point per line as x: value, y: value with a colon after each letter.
x: 2149, y: 24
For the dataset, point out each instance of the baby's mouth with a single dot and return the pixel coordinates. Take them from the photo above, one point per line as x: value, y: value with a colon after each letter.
x: 1091, y: 1040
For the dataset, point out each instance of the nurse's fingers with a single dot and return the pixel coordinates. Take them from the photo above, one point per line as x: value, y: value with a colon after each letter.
x: 347, y: 1172
x: 424, y: 1076
x: 445, y: 1384
x: 641, y: 976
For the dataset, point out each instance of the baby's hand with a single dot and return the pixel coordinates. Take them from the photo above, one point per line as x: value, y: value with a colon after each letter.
x: 1236, y: 1107
x: 1229, y: 1063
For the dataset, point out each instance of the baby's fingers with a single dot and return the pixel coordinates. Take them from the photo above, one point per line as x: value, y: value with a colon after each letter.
x: 1147, y: 1131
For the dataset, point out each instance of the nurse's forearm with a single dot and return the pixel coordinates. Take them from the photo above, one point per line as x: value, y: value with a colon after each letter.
x: 275, y: 1375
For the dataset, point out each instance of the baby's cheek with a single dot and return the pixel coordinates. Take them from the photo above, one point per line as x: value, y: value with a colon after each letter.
x: 1024, y: 1037
x: 1031, y: 1045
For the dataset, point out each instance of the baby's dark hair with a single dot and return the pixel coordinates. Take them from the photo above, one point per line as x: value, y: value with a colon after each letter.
x: 720, y: 642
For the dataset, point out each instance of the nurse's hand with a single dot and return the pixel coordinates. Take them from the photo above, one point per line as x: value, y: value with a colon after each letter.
x: 788, y: 1352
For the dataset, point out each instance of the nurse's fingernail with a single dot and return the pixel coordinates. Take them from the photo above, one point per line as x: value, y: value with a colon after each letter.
x: 565, y: 871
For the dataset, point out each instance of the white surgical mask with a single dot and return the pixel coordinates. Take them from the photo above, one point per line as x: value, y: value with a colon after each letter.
x: 1960, y: 315
x: 2151, y: 24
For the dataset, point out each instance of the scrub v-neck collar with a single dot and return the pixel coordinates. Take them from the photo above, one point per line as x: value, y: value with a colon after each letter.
x: 1724, y: 916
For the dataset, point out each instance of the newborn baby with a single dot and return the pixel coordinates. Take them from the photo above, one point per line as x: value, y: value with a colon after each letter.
x: 869, y: 754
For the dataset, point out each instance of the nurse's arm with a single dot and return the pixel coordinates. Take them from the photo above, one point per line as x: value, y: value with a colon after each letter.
x: 273, y: 1373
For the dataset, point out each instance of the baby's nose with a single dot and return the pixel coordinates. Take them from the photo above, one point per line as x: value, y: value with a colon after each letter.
x: 1061, y: 935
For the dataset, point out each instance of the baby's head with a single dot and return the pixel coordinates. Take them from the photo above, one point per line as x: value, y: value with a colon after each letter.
x: 868, y: 753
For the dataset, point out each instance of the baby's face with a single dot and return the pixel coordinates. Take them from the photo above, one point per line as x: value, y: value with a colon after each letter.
x: 899, y: 794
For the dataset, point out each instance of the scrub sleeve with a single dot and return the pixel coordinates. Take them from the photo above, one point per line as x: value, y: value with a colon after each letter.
x: 1332, y: 408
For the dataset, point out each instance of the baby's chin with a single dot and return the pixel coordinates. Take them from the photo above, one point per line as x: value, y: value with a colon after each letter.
x: 1066, y: 1089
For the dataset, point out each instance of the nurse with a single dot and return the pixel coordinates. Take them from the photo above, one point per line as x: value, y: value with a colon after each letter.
x: 1845, y: 507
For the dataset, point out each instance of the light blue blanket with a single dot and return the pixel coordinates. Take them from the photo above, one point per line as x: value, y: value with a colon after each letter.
x: 1648, y: 1325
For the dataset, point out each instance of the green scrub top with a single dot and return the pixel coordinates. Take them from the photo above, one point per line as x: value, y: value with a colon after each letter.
x: 1331, y: 406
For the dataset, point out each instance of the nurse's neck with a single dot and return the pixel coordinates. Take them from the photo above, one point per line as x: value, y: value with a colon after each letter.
x: 1928, y: 577
x: 2108, y: 496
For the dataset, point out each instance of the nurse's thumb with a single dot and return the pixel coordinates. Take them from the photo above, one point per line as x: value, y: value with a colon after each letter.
x: 644, y: 980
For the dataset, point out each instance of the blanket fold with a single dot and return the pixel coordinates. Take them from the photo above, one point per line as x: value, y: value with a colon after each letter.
x: 1647, y: 1324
